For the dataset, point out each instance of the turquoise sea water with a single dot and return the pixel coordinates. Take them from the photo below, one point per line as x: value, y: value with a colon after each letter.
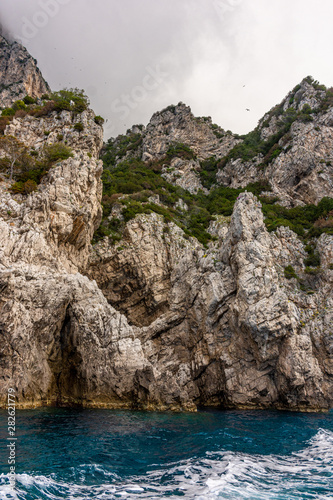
x: 104, y: 454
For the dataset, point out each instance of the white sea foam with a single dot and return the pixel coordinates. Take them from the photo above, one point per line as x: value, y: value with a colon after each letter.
x: 304, y: 475
x: 6, y: 491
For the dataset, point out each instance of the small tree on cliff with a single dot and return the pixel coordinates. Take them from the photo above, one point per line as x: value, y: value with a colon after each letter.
x: 14, y: 149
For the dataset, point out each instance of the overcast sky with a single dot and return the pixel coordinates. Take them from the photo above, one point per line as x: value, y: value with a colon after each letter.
x: 135, y: 57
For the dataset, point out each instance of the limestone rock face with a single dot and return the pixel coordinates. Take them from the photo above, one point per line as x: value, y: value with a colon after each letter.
x: 60, y: 218
x: 54, y: 226
x: 222, y: 327
x: 44, y: 243
x: 300, y: 173
x: 158, y: 322
x: 176, y: 124
x: 184, y: 173
x: 305, y: 94
x: 63, y: 344
x: 19, y: 74
x: 39, y: 132
x: 266, y: 315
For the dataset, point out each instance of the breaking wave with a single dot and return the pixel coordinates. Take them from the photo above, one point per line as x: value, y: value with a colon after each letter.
x: 305, y: 474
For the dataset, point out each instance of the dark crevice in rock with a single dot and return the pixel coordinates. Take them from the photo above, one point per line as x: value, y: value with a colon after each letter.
x: 64, y: 361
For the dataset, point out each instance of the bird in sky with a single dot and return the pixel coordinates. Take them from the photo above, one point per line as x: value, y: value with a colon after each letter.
x: 247, y: 109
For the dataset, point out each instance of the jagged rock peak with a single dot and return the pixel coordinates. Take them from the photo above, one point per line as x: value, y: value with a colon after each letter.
x: 308, y: 92
x: 175, y: 133
x: 19, y: 74
x: 180, y: 110
x: 291, y: 148
x: 174, y: 108
x: 177, y: 124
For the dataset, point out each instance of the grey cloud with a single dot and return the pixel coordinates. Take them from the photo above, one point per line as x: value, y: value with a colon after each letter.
x: 136, y: 57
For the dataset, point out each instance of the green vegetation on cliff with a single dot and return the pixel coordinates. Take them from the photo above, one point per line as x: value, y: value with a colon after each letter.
x: 27, y: 167
x: 308, y: 221
x: 252, y: 143
x: 133, y: 186
x: 74, y: 100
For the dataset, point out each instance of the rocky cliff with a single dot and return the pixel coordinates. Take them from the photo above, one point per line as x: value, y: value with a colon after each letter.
x: 175, y: 125
x: 19, y: 74
x: 290, y: 149
x: 157, y: 314
x: 297, y: 138
x: 222, y: 326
